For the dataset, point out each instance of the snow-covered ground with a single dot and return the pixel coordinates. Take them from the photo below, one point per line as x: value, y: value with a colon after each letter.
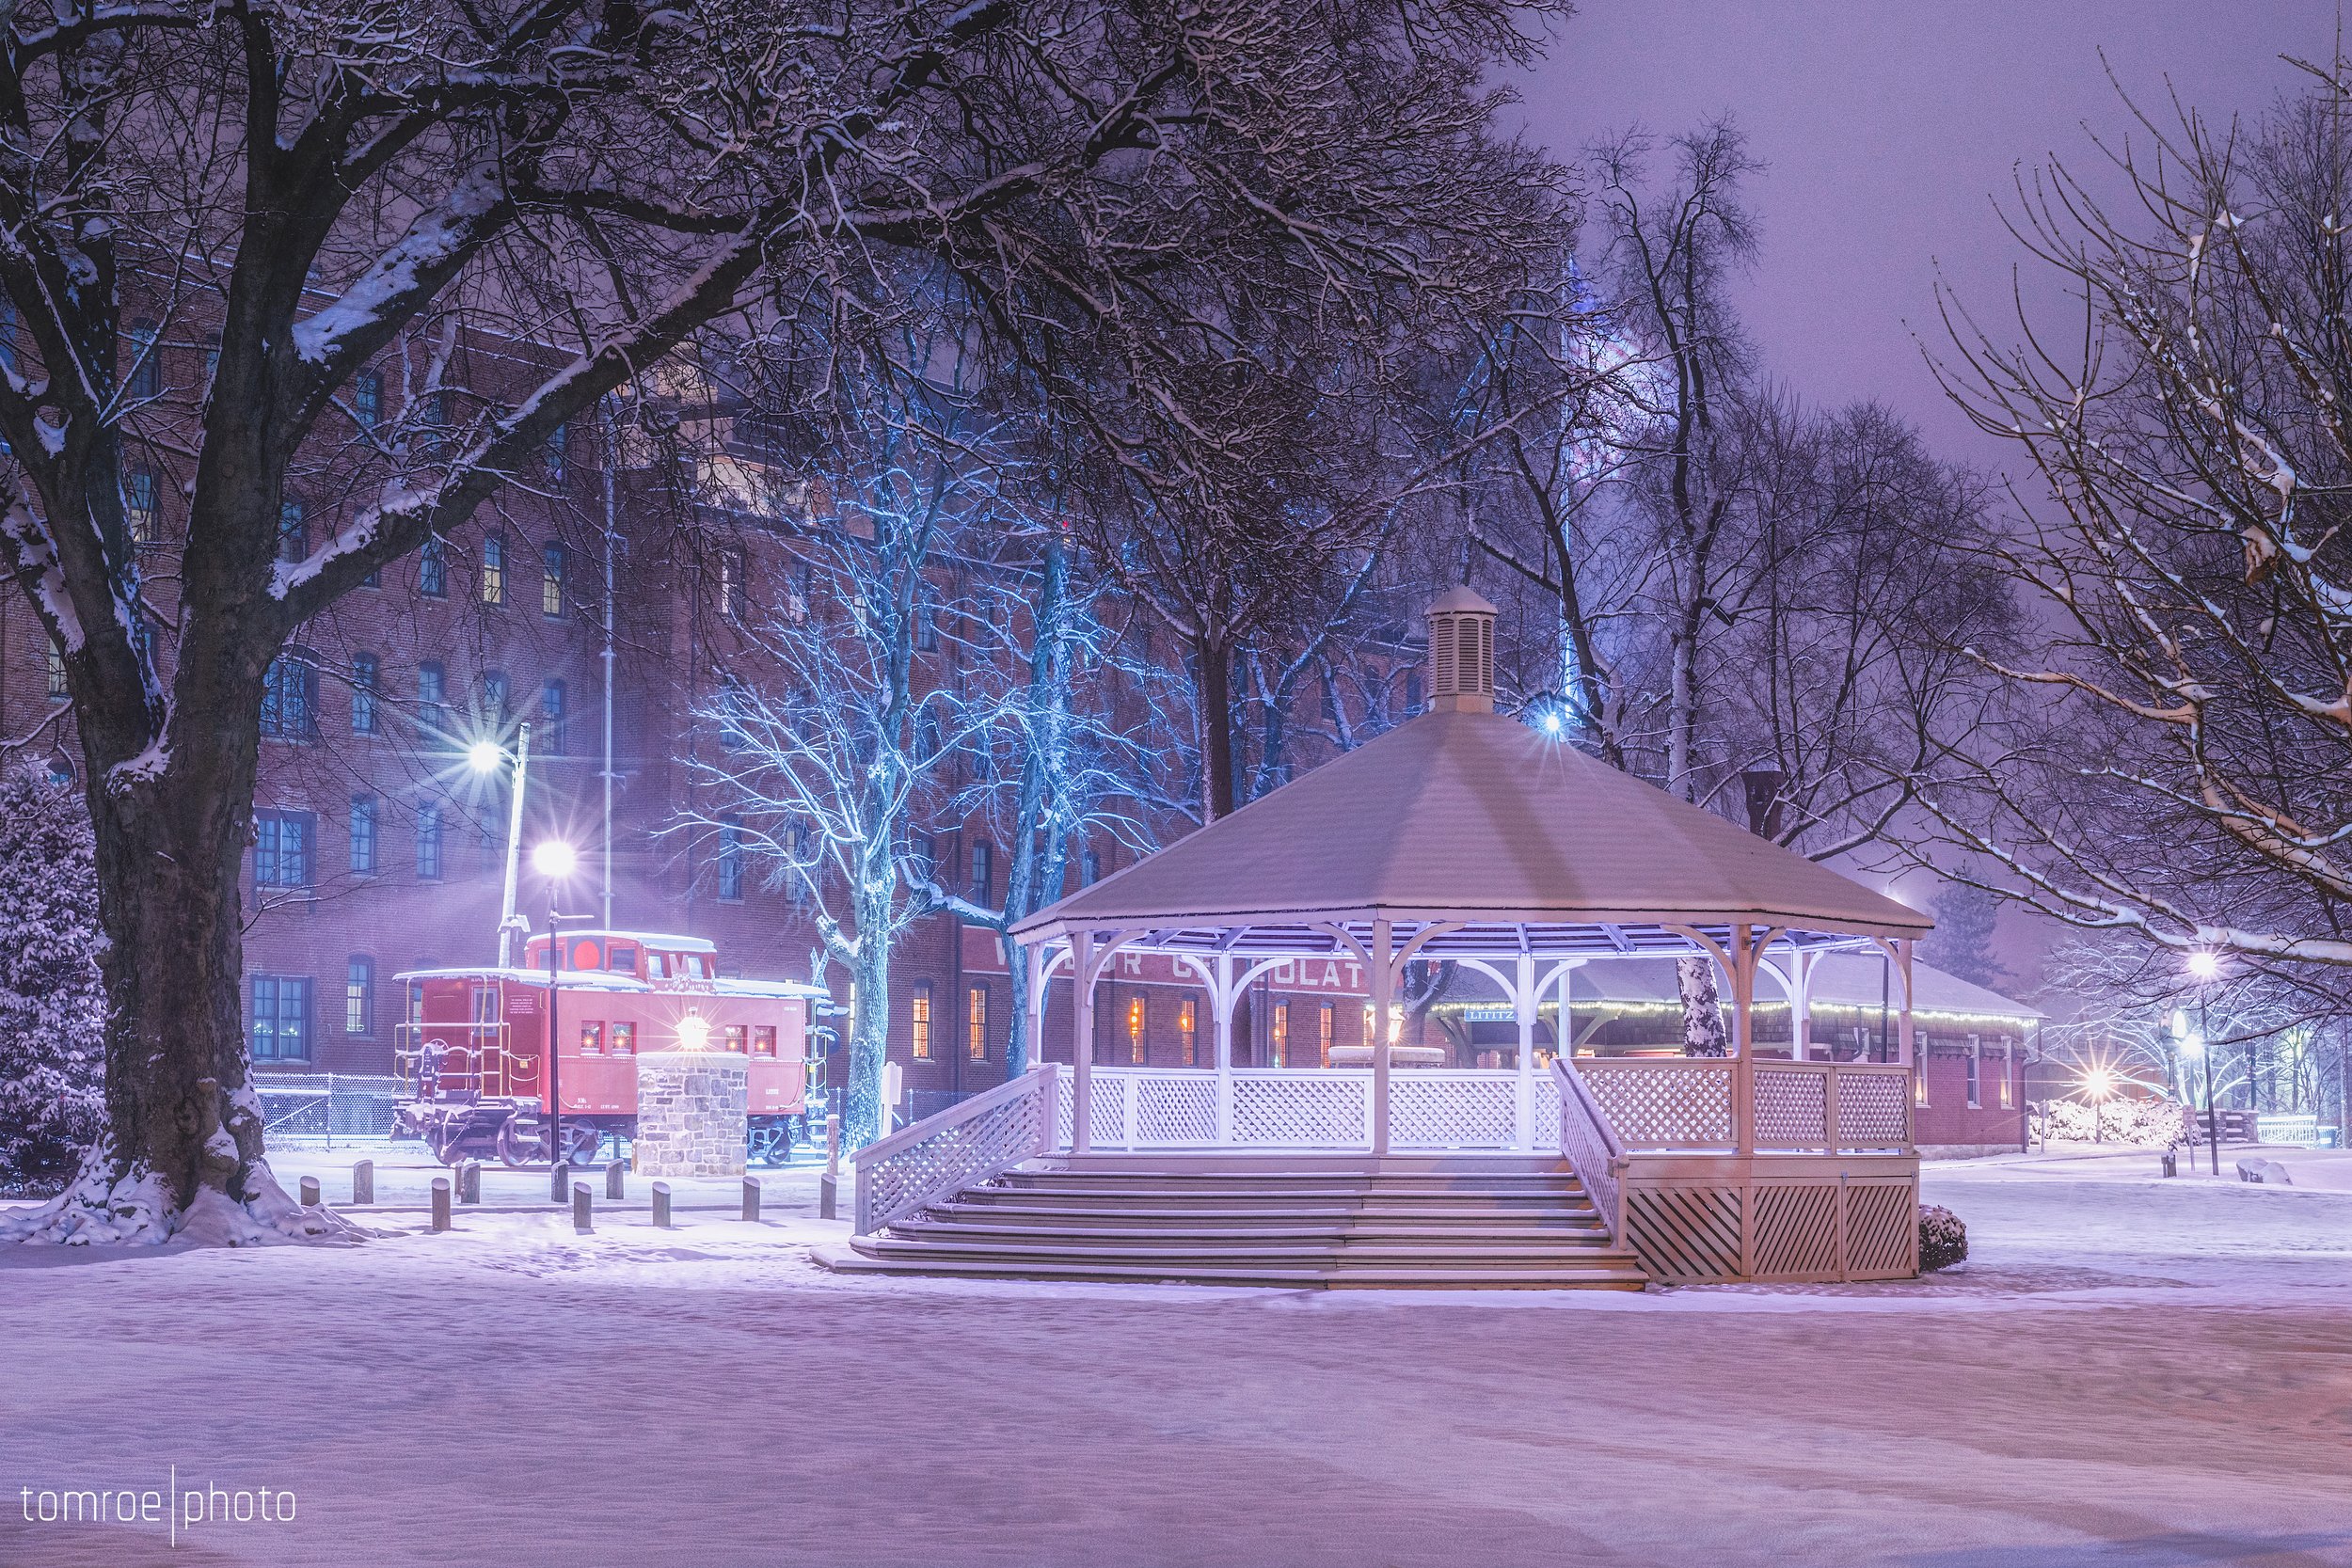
x: 2130, y: 1370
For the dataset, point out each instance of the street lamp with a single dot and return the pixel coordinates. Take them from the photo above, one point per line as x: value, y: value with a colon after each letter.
x: 554, y: 860
x: 2098, y: 1083
x: 2205, y: 967
x: 486, y: 757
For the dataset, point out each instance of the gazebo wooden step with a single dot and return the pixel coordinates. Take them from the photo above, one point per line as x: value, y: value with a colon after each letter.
x: 1573, y: 1235
x: 1083, y: 1195
x: 1581, y: 1276
x: 1267, y: 1214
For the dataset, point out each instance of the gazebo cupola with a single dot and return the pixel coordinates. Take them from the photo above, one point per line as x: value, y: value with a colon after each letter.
x: 1461, y: 653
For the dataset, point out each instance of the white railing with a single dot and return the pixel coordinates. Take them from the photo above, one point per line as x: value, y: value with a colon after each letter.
x: 970, y: 1141
x: 1591, y: 1148
x: 1797, y: 1103
x: 1429, y: 1108
x: 1664, y: 1103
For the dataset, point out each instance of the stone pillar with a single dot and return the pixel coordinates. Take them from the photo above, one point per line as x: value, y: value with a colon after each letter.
x: 692, y: 1113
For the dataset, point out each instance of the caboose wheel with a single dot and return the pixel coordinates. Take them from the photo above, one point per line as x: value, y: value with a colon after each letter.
x: 583, y: 1142
x: 517, y: 1148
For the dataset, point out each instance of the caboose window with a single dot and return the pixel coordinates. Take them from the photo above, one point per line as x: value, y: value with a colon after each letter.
x: 622, y: 959
x: 625, y: 1039
x: 764, y: 1040
x: 735, y: 1038
x: 656, y: 967
x: 591, y: 1040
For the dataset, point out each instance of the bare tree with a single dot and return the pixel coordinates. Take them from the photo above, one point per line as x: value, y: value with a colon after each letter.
x: 341, y: 187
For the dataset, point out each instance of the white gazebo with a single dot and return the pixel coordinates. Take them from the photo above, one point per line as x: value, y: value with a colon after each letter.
x: 1466, y: 835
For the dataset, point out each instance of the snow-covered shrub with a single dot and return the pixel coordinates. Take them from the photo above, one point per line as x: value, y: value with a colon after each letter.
x: 1943, y: 1238
x: 52, y: 1008
x: 2132, y: 1123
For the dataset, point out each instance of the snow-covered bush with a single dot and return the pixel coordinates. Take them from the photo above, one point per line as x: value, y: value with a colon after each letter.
x: 52, y: 1008
x: 2132, y: 1123
x: 1943, y: 1238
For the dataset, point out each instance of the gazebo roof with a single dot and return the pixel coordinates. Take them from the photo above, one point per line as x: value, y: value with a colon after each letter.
x: 1472, y: 817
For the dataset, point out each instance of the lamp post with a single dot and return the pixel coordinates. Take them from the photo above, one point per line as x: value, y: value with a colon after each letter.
x: 486, y: 757
x: 2204, y: 968
x: 2098, y: 1083
x: 554, y: 860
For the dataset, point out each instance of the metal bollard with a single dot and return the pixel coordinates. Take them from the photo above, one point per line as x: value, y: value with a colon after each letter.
x: 469, y: 1181
x: 613, y: 1174
x: 364, y: 1182
x: 662, y: 1205
x: 310, y: 1191
x: 750, y: 1197
x: 581, y: 1215
x: 440, y: 1203
x: 559, y: 1182
x: 829, y: 1185
x: 2170, y: 1163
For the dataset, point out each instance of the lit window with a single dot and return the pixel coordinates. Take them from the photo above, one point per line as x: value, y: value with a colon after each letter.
x: 1322, y: 1031
x: 764, y: 1040
x: 363, y: 835
x: 919, y: 1018
x: 1280, y: 1034
x: 625, y: 1039
x: 138, y: 505
x: 737, y: 1038
x: 1975, y: 1082
x: 555, y: 564
x: 591, y: 1038
x: 360, y: 995
x: 2006, y: 1058
x: 976, y: 1022
x: 1136, y: 1021
x: 494, y: 570
x: 1187, y: 1032
x: 731, y: 574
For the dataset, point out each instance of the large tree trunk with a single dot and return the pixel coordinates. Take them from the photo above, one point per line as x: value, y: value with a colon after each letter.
x: 1215, y: 662
x: 869, y: 1028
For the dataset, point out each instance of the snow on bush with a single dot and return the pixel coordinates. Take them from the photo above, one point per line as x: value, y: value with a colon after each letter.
x: 52, y: 1008
x: 1943, y: 1238
x: 2134, y: 1123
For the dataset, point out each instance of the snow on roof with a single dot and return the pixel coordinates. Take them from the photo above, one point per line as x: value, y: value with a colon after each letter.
x: 646, y: 939
x: 1473, y: 816
x: 597, y: 979
x: 1840, y: 980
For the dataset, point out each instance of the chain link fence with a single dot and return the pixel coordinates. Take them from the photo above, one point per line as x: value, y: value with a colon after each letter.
x: 319, y: 1108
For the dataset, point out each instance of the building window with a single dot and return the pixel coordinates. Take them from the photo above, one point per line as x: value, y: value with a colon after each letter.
x: 432, y: 570
x: 283, y: 845
x: 731, y: 572
x: 282, y: 1018
x: 1136, y: 1019
x: 975, y: 1024
x: 360, y: 995
x: 293, y: 533
x: 138, y: 505
x: 559, y: 449
x: 58, y: 693
x: 429, y: 844
x: 432, y: 699
x: 363, y: 835
x: 1920, y: 1071
x: 925, y: 858
x: 494, y: 696
x: 366, y: 675
x: 1090, y: 869
x: 983, y: 873
x: 1324, y: 1017
x: 919, y: 1017
x: 290, y: 698
x: 1187, y: 1029
x: 730, y: 859
x: 494, y: 570
x: 211, y: 360
x: 1975, y: 1082
x: 926, y: 623
x: 1280, y: 1034
x: 2007, y: 1058
x: 8, y: 334
x: 146, y: 367
x: 552, y: 710
x: 555, y: 565
x: 367, y: 399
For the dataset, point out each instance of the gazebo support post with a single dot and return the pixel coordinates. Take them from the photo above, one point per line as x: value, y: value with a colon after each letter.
x: 1223, y: 999
x: 1382, y: 984
x: 1902, y: 1027
x: 1033, y: 1026
x: 1081, y: 1041
x: 1524, y: 999
x: 1743, y: 1036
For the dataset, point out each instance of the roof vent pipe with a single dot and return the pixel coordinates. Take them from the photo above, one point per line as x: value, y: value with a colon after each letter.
x: 1461, y: 653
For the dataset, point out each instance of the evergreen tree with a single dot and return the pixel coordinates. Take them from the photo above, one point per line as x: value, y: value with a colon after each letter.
x: 52, y: 1008
x: 1962, y: 944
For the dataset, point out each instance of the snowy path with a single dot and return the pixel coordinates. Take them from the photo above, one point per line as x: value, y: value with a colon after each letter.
x: 2130, y: 1372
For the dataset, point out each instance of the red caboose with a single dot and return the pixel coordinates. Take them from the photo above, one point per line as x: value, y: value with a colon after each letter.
x: 475, y: 1043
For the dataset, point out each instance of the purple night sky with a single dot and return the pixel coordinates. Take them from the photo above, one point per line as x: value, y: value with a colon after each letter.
x: 1888, y: 129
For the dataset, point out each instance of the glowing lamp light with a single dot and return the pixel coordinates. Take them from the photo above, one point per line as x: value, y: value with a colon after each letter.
x: 2099, y: 1083
x: 2203, y: 965
x: 693, y: 1032
x: 484, y: 756
x: 1551, y: 724
x: 554, y: 859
